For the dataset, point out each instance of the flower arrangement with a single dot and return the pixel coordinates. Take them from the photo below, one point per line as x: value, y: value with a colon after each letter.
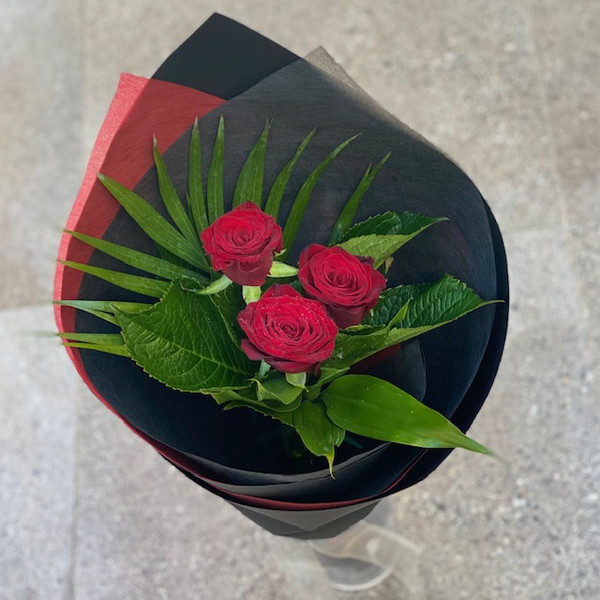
x: 232, y: 318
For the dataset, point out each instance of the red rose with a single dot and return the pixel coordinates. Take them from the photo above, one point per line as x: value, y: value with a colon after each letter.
x: 291, y: 333
x: 242, y: 242
x: 348, y: 285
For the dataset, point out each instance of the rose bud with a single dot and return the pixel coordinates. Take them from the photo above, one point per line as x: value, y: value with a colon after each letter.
x: 348, y: 285
x: 291, y: 333
x: 242, y: 242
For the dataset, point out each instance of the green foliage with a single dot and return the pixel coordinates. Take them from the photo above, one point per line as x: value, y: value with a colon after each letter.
x: 188, y: 342
x: 249, y: 185
x: 375, y: 408
x: 214, y: 187
x: 347, y: 215
x: 196, y: 201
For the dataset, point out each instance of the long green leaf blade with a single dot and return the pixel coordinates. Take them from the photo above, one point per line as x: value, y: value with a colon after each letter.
x: 278, y: 188
x: 375, y: 408
x: 302, y: 199
x: 151, y: 222
x: 108, y: 339
x: 214, y: 189
x: 134, y: 283
x: 249, y: 186
x: 347, y: 215
x: 171, y: 199
x: 139, y: 260
x: 117, y: 350
x: 101, y: 309
x: 195, y: 185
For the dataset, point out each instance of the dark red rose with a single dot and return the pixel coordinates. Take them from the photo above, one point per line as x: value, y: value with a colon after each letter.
x: 348, y: 285
x: 242, y: 242
x: 292, y: 333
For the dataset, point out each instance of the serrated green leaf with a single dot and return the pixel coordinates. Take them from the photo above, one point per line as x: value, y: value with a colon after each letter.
x: 350, y: 349
x: 318, y: 433
x: 173, y: 203
x: 278, y: 187
x: 375, y: 408
x: 214, y: 187
x: 139, y: 260
x: 303, y: 197
x: 134, y: 283
x: 196, y: 200
x: 347, y: 215
x: 189, y: 342
x: 382, y: 235
x: 150, y: 221
x: 431, y: 305
x: 392, y: 223
x: 249, y: 186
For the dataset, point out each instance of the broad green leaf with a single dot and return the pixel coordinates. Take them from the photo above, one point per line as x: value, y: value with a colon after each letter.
x: 392, y: 223
x: 103, y: 305
x: 156, y: 227
x: 214, y: 186
x: 375, y: 408
x: 431, y: 305
x: 118, y: 350
x: 249, y: 186
x: 303, y: 197
x: 352, y: 348
x: 347, y: 215
x: 142, y: 285
x: 196, y: 200
x: 278, y: 187
x: 319, y: 434
x: 296, y: 379
x: 173, y: 203
x: 188, y: 342
x: 326, y: 374
x: 140, y: 260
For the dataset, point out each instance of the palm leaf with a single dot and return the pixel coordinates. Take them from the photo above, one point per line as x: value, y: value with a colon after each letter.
x: 278, y: 187
x: 153, y: 224
x: 134, y: 283
x: 249, y: 186
x: 117, y: 350
x: 347, y: 215
x: 214, y: 188
x: 302, y: 199
x: 196, y: 201
x: 173, y: 203
x: 102, y: 309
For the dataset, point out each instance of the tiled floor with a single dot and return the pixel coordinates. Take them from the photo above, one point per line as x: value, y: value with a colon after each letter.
x: 511, y: 90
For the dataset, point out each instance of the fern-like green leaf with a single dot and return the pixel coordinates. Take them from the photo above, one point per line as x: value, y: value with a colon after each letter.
x: 302, y: 199
x: 102, y: 309
x: 278, y: 187
x: 347, y: 215
x: 214, y: 189
x: 249, y: 186
x: 154, y: 288
x: 196, y: 201
x: 153, y: 224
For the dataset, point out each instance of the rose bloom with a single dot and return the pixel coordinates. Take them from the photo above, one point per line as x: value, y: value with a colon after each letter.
x: 291, y: 333
x: 242, y: 242
x: 348, y: 285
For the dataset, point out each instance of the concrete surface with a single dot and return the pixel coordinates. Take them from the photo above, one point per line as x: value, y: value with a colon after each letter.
x: 510, y: 90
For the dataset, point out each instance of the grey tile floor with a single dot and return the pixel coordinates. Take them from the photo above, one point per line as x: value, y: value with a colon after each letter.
x: 510, y: 89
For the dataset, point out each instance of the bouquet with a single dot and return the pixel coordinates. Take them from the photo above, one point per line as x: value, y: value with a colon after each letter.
x: 249, y: 269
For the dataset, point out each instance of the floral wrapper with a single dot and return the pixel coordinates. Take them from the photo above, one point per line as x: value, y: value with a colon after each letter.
x: 226, y: 69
